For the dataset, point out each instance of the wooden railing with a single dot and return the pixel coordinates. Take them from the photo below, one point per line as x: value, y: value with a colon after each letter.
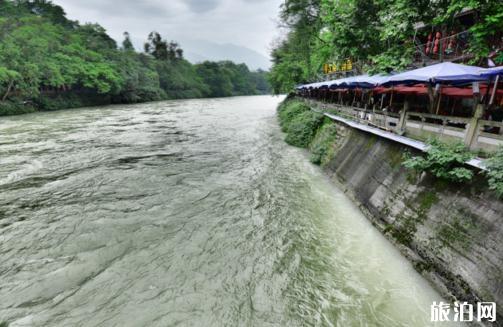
x: 486, y: 135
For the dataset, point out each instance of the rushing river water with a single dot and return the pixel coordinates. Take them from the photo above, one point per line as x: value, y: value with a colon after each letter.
x: 190, y: 213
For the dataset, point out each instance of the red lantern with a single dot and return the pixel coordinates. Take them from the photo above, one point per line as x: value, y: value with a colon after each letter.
x: 438, y: 35
x: 428, y: 44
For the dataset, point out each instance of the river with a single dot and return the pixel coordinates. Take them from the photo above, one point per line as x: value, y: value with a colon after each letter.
x: 189, y: 213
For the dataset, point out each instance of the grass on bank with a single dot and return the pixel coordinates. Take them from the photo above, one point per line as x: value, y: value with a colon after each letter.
x: 307, y: 129
x: 322, y: 146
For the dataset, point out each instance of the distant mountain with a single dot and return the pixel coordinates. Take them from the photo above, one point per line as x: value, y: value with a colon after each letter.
x: 198, y: 51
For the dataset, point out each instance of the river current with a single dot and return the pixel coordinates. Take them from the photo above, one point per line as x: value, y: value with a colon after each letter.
x: 187, y: 213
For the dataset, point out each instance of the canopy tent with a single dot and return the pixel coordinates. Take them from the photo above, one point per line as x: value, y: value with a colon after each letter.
x: 341, y: 82
x: 360, y: 81
x: 368, y: 82
x: 446, y: 72
x: 460, y: 92
x: 492, y: 71
x: 313, y: 85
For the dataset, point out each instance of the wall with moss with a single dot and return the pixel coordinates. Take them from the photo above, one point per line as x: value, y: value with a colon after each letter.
x: 452, y: 233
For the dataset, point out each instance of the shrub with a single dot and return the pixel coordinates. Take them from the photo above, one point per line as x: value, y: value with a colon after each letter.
x: 12, y: 108
x: 302, y: 128
x: 288, y: 110
x: 322, y: 145
x: 444, y: 161
x: 495, y: 172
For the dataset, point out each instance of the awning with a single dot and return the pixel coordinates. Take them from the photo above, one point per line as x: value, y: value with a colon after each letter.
x: 446, y: 72
x: 492, y: 71
x: 460, y: 92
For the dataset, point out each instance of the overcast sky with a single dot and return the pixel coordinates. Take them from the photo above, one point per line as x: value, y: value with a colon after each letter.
x: 249, y: 23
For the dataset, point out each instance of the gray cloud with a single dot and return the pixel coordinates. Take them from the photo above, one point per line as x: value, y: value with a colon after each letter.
x: 125, y: 8
x: 248, y: 23
x: 200, y: 6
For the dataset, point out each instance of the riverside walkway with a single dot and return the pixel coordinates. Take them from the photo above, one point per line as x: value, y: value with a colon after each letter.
x: 476, y: 162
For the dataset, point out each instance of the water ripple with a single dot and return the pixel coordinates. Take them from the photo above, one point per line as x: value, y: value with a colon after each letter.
x: 193, y: 213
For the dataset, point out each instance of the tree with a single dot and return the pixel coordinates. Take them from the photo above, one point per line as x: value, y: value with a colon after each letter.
x: 7, y: 79
x: 376, y: 34
x: 174, y: 51
x: 127, y: 44
x: 156, y: 46
x: 51, y: 62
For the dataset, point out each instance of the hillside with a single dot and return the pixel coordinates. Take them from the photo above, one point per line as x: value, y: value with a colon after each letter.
x: 50, y: 62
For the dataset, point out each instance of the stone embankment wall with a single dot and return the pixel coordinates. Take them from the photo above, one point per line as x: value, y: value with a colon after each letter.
x: 452, y: 233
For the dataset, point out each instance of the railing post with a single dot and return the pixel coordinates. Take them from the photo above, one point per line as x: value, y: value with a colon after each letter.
x: 473, y: 126
x: 403, y: 116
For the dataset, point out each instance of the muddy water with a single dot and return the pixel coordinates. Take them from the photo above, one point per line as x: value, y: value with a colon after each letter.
x: 190, y: 213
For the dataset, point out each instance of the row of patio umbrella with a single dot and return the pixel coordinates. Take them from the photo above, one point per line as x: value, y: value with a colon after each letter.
x: 443, y: 73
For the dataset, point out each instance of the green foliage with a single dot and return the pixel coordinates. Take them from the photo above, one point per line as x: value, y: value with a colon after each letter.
x: 161, y: 49
x: 127, y: 45
x: 377, y: 34
x: 445, y: 161
x: 485, y: 31
x: 298, y: 122
x: 302, y: 129
x: 11, y: 108
x: 288, y: 110
x: 46, y: 59
x: 226, y: 78
x: 322, y: 147
x: 495, y: 172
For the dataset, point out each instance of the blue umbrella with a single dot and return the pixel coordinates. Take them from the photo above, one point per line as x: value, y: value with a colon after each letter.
x: 343, y: 83
x: 368, y: 82
x: 446, y: 72
x: 492, y: 71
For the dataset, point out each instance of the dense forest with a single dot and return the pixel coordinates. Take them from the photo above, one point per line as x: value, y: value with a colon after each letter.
x: 50, y: 62
x: 377, y: 35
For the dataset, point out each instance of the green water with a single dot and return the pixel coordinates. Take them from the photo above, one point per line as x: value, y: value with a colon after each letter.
x: 189, y: 213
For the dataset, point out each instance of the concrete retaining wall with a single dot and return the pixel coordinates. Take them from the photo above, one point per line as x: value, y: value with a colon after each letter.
x: 453, y: 234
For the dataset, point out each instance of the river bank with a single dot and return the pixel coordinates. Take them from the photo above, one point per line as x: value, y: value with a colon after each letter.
x: 89, y: 98
x: 451, y: 232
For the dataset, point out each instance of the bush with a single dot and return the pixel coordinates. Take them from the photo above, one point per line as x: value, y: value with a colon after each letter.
x: 288, y: 110
x: 298, y: 122
x: 444, y: 161
x: 302, y: 129
x: 12, y: 108
x: 322, y: 145
x: 495, y: 172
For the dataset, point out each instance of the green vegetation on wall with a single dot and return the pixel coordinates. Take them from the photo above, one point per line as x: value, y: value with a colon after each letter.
x: 307, y: 129
x: 322, y: 147
x: 49, y: 62
x: 445, y: 161
x: 495, y: 172
x: 298, y: 122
